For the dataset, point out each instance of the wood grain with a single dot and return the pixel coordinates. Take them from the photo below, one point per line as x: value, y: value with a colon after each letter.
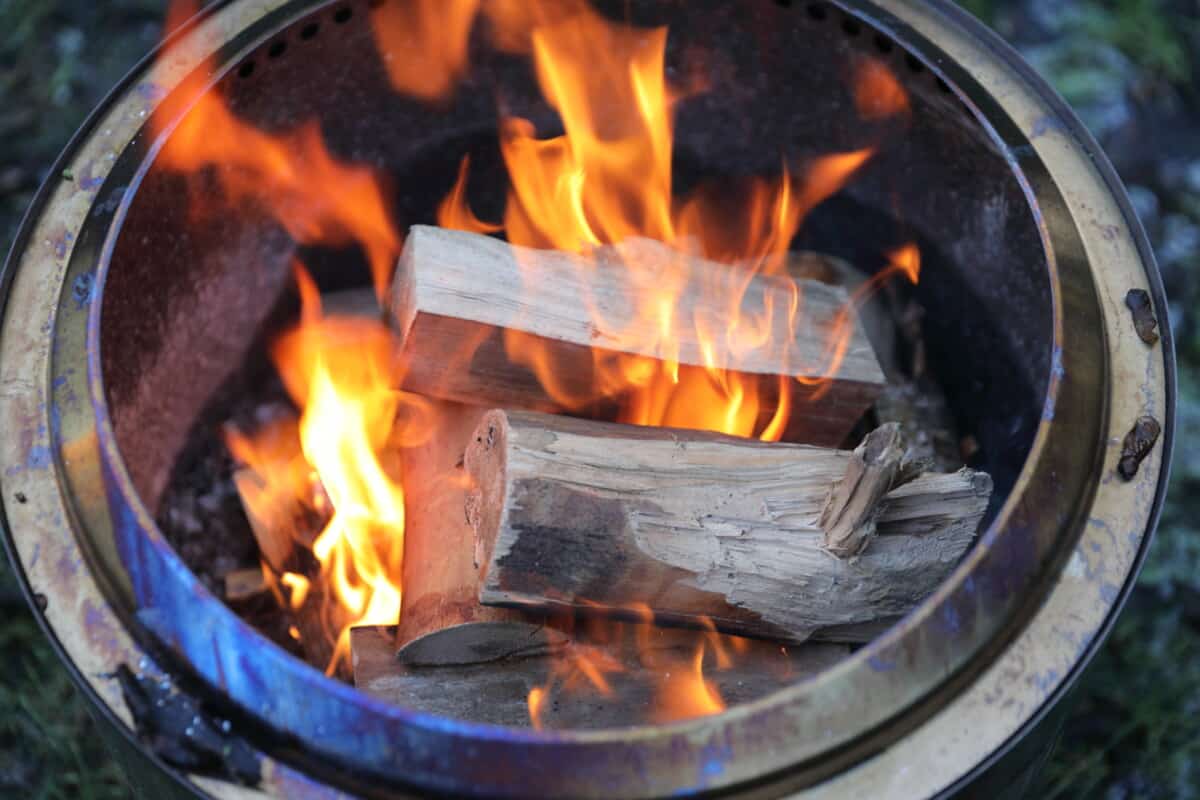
x: 455, y: 293
x: 586, y: 514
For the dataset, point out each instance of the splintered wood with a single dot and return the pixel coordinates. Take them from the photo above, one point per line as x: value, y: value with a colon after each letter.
x: 456, y: 296
x: 695, y: 525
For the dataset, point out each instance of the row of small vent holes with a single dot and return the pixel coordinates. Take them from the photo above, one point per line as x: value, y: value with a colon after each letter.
x: 277, y: 48
x: 819, y: 12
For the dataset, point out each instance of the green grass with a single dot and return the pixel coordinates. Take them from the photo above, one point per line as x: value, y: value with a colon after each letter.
x: 57, y: 59
x: 49, y: 747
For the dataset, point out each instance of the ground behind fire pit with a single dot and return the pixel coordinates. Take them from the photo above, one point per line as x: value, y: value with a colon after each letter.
x: 1130, y: 67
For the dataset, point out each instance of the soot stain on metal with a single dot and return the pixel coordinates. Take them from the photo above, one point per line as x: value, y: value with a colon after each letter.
x: 1144, y: 321
x: 1137, y: 445
x: 183, y: 734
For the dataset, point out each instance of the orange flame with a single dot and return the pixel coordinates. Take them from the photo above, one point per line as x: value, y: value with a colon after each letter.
x: 341, y: 372
x: 604, y: 183
x: 424, y: 43
x: 298, y: 585
x: 687, y: 693
x: 339, y: 455
x: 318, y: 199
x: 877, y: 92
x: 675, y: 657
x: 607, y: 180
x: 907, y: 259
x: 453, y: 212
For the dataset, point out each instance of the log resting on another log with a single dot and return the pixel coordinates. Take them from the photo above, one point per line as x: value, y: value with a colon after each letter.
x: 455, y: 294
x: 693, y: 525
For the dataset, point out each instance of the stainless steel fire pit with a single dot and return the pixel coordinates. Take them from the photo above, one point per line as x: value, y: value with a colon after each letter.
x: 108, y: 354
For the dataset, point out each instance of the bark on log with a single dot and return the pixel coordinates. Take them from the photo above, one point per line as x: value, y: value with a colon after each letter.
x: 486, y: 675
x: 440, y: 575
x: 454, y: 293
x: 576, y: 513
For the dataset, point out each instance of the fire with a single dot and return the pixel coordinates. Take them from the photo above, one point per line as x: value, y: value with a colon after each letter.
x: 342, y: 451
x: 608, y: 180
x: 318, y: 199
x: 605, y: 182
x: 424, y: 44
x: 689, y: 694
x: 453, y: 211
x: 676, y: 658
x: 341, y: 371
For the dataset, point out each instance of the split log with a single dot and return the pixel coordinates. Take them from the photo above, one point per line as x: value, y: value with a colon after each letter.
x: 484, y: 672
x: 440, y: 574
x: 455, y: 294
x: 585, y: 514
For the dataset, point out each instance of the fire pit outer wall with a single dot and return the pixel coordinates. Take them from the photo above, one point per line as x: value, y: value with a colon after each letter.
x: 950, y: 688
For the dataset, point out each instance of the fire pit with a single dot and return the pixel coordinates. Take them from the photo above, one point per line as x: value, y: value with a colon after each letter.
x: 155, y: 278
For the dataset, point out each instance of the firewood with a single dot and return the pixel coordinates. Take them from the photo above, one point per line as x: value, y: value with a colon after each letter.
x: 484, y: 672
x: 440, y: 574
x: 589, y: 514
x: 455, y: 293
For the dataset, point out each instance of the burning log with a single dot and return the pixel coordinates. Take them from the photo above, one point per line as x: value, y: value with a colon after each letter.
x: 489, y: 671
x: 453, y: 287
x: 440, y: 576
x: 597, y: 515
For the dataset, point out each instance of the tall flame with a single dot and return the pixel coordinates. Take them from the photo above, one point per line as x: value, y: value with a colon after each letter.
x: 608, y: 179
x: 341, y: 371
x: 605, y: 182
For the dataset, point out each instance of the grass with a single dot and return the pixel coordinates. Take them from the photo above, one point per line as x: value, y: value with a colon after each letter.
x: 1135, y: 730
x: 49, y: 749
